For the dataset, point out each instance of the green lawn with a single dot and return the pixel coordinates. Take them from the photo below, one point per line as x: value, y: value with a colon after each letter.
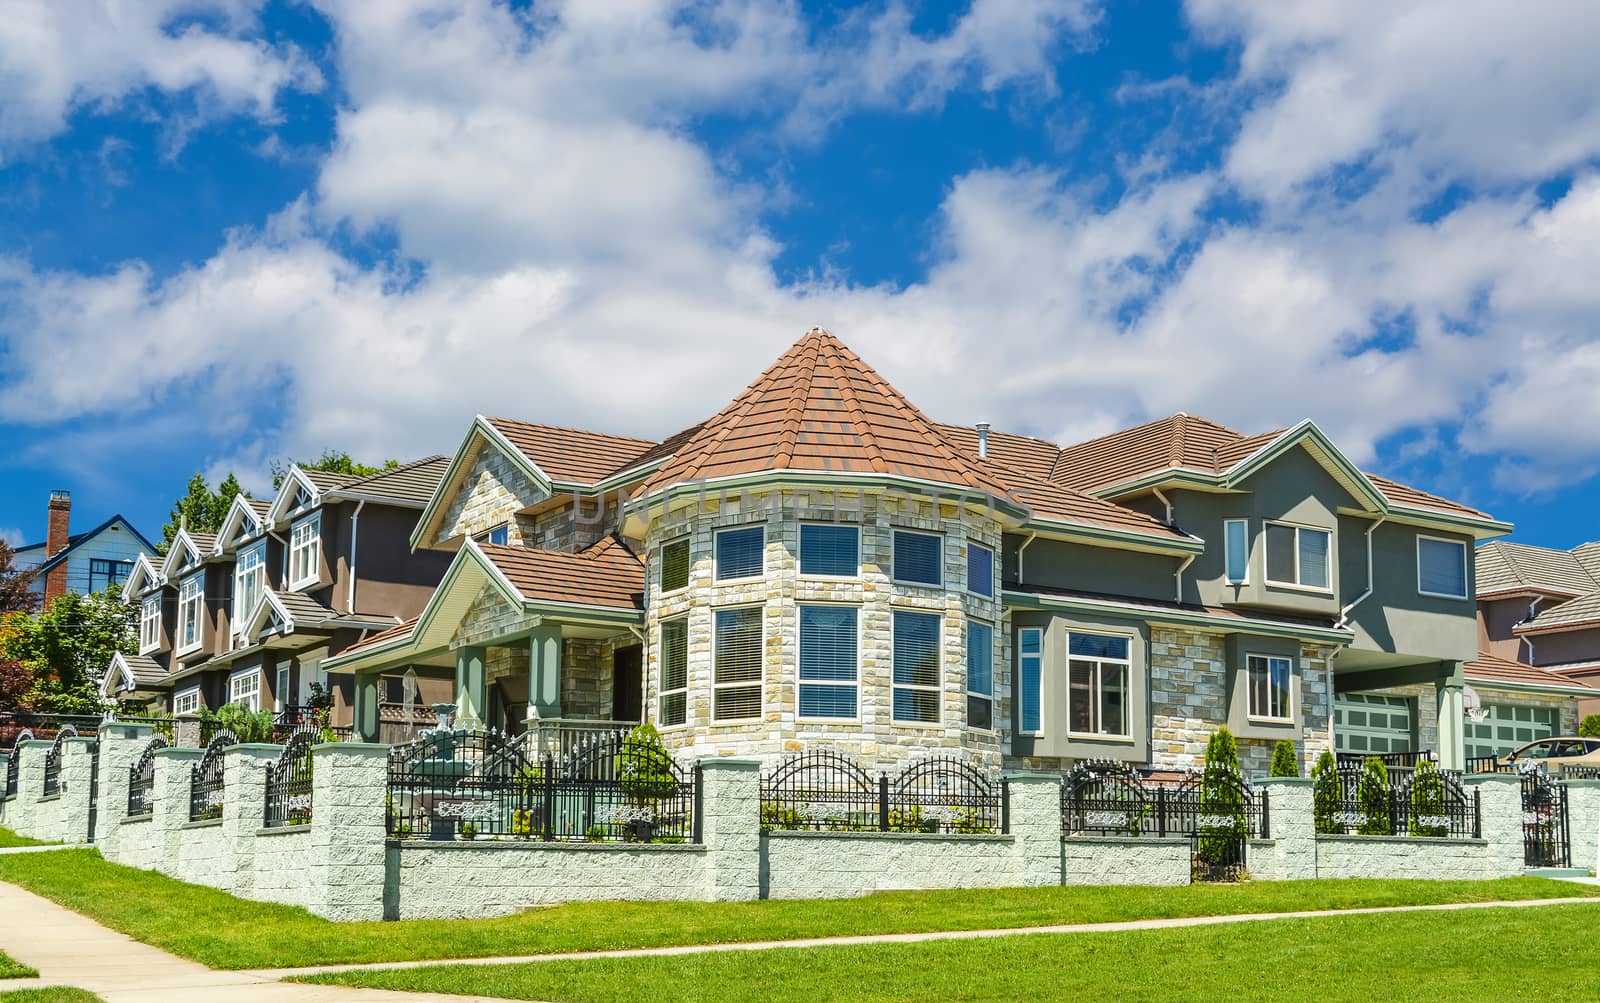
x: 53, y: 995
x: 9, y: 838
x: 1490, y: 956
x: 221, y: 931
x: 12, y: 969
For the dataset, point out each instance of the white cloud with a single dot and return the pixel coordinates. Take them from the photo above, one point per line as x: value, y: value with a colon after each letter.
x: 12, y: 536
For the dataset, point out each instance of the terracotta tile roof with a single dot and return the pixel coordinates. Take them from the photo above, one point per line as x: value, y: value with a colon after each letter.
x: 1588, y: 555
x: 1034, y: 457
x: 1487, y: 668
x: 1503, y: 566
x: 1061, y: 503
x: 604, y: 574
x: 571, y: 454
x: 1225, y: 612
x: 820, y: 408
x: 1181, y: 440
x: 413, y: 482
x: 1402, y: 494
x: 383, y: 636
x: 1582, y: 611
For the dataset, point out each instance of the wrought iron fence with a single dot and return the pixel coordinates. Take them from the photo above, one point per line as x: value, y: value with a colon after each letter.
x: 52, y: 761
x: 1421, y: 802
x: 1546, y: 838
x: 46, y: 726
x: 1389, y: 759
x: 483, y: 785
x: 1489, y: 764
x: 142, y: 778
x: 289, y: 782
x: 205, y: 780
x: 14, y: 763
x: 825, y: 791
x: 1570, y: 772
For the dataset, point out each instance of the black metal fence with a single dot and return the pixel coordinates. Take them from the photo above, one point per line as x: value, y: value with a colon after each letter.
x: 1420, y: 802
x: 1218, y: 810
x: 289, y: 782
x: 52, y: 761
x: 482, y: 785
x: 1407, y: 760
x: 1488, y: 764
x: 829, y: 792
x: 46, y: 726
x: 205, y: 780
x: 142, y: 778
x: 14, y: 763
x: 1569, y: 772
x: 1546, y: 836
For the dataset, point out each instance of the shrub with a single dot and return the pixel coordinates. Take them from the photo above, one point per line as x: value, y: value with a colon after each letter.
x: 1590, y: 728
x: 469, y: 830
x: 773, y: 817
x: 522, y: 822
x: 911, y: 819
x: 1285, y: 763
x: 1373, y: 794
x: 247, y: 725
x: 1221, y: 796
x: 1427, y: 801
x: 1325, y: 793
x: 644, y: 770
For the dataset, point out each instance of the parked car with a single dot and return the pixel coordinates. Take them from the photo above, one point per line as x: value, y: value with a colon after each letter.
x: 1554, y: 753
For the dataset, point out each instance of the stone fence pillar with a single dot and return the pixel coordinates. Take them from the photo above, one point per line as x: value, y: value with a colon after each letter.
x: 1292, y: 826
x: 1583, y: 822
x: 30, y: 788
x: 730, y: 825
x: 349, y: 858
x: 1501, y: 795
x: 77, y: 789
x: 5, y: 808
x: 186, y: 731
x: 170, y: 812
x: 1035, y: 822
x: 244, y: 793
x: 120, y: 745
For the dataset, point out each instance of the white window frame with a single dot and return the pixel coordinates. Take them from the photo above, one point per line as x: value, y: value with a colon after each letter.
x: 854, y: 684
x: 800, y: 550
x: 1465, y: 572
x: 716, y: 556
x: 258, y: 572
x: 255, y: 694
x: 280, y: 689
x: 1250, y: 690
x: 894, y: 537
x: 1298, y: 528
x: 1244, y: 579
x: 971, y: 693
x: 298, y: 545
x: 186, y: 600
x: 662, y: 692
x: 1099, y: 660
x: 150, y: 624
x: 937, y: 689
x: 186, y: 701
x: 760, y: 682
x: 1038, y: 697
x: 993, y: 578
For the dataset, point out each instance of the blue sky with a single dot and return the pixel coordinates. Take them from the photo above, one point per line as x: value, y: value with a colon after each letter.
x: 234, y: 231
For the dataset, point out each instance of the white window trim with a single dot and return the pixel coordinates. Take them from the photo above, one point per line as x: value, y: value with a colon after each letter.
x: 1039, y: 697
x: 1297, y: 527
x: 661, y: 565
x: 1127, y: 663
x: 199, y: 600
x: 182, y: 697
x: 854, y: 684
x: 1246, y: 524
x: 1249, y: 689
x: 967, y: 683
x: 260, y: 571
x: 761, y: 658
x: 937, y: 689
x: 245, y: 674
x: 295, y: 548
x: 894, y: 535
x: 799, y: 548
x: 146, y: 621
x: 1465, y: 574
x: 280, y: 688
x: 661, y: 690
x: 716, y: 560
x: 993, y: 578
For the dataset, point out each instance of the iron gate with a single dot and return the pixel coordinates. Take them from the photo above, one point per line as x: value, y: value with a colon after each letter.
x: 1546, y: 841
x: 94, y: 787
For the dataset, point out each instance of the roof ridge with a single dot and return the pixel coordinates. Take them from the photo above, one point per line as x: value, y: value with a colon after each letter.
x: 798, y: 400
x: 569, y: 428
x: 858, y: 415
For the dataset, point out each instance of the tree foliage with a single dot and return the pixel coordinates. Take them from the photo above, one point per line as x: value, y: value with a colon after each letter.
x: 1221, y: 796
x: 247, y: 725
x: 65, y: 650
x: 332, y: 461
x: 1325, y: 793
x: 1373, y: 794
x: 1427, y: 801
x: 200, y: 508
x: 16, y: 594
x: 1285, y: 763
x: 1590, y: 728
x: 643, y: 766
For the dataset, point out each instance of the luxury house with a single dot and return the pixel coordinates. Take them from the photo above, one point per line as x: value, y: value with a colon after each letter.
x: 92, y: 561
x: 248, y: 615
x: 819, y: 561
x: 1539, y: 610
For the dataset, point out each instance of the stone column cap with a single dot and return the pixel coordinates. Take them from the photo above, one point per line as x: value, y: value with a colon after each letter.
x: 1031, y: 775
x: 253, y: 747
x: 36, y: 743
x: 729, y: 763
x: 1284, y: 782
x: 351, y: 747
x: 1582, y: 782
x: 180, y: 752
x: 91, y: 739
x: 127, y: 725
x: 1492, y: 778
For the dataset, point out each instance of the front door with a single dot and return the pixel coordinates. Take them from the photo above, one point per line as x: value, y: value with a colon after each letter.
x: 627, y: 684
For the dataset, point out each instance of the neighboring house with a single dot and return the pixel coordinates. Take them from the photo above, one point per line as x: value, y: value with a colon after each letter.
x: 248, y: 615
x: 94, y: 561
x: 819, y: 561
x: 1540, y: 607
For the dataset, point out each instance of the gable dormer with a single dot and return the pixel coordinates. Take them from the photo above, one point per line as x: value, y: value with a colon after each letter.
x: 488, y: 483
x: 144, y: 578
x: 183, y: 558
x: 297, y: 495
x: 245, y: 521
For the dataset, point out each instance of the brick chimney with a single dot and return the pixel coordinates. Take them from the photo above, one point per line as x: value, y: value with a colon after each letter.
x: 55, y: 541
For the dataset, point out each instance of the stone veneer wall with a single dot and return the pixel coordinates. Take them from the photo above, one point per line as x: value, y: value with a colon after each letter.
x: 492, y: 494
x: 875, y: 739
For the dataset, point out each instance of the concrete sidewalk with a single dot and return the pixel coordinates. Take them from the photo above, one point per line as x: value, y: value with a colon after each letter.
x: 73, y: 950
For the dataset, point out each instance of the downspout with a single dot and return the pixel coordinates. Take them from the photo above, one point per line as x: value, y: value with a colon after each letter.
x: 350, y: 600
x: 1533, y: 611
x: 1344, y: 614
x: 1022, y: 550
x: 1163, y: 499
x: 1178, y: 575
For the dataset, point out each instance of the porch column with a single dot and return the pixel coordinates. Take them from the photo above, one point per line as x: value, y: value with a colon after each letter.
x: 1452, y: 734
x: 544, y: 670
x: 365, y: 712
x: 471, y: 665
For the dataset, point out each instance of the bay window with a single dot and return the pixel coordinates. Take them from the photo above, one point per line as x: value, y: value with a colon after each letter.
x: 736, y: 669
x: 150, y: 624
x: 1268, y: 677
x: 828, y: 662
x: 674, y: 707
x: 830, y: 549
x: 1298, y: 556
x: 980, y: 675
x: 980, y: 570
x: 249, y: 579
x: 918, y: 558
x: 740, y: 553
x: 1098, y: 668
x: 916, y: 667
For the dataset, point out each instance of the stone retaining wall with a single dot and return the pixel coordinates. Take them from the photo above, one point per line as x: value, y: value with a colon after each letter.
x: 1111, y: 860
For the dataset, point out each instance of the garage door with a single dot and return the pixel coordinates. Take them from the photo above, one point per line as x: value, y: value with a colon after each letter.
x: 1508, y: 726
x: 1372, y: 722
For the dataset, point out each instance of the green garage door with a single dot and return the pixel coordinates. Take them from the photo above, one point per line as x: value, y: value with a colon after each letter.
x: 1508, y: 726
x: 1372, y: 722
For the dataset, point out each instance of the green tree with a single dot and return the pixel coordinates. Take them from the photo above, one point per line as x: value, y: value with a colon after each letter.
x: 644, y: 769
x: 1285, y: 763
x: 1373, y: 794
x: 1325, y: 793
x: 16, y: 592
x: 1221, y: 798
x: 67, y: 647
x: 1427, y: 801
x: 201, y: 509
x: 1590, y: 728
x: 331, y: 461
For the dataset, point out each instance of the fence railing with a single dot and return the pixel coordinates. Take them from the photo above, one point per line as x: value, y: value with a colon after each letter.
x: 142, y: 778
x: 828, y: 792
x: 1420, y: 802
x: 561, y: 736
x: 205, y: 779
x: 1570, y: 772
x: 1546, y: 826
x: 42, y: 727
x: 52, y: 761
x: 1488, y: 764
x: 483, y: 785
x: 289, y: 782
x: 1389, y: 759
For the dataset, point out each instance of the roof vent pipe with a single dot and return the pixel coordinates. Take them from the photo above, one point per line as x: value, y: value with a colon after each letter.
x: 983, y: 440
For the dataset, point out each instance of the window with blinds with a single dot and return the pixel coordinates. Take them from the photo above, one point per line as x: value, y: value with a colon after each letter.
x: 1098, y: 669
x: 828, y: 661
x: 1236, y: 537
x: 1298, y: 555
x: 736, y: 675
x: 827, y: 549
x: 980, y: 570
x: 1030, y: 672
x: 675, y: 565
x: 918, y: 558
x: 740, y: 551
x: 674, y: 671
x: 916, y: 666
x: 1441, y: 567
x: 980, y: 675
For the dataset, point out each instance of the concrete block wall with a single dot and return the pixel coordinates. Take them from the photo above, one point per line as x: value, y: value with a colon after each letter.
x: 826, y: 865
x: 128, y: 840
x: 1583, y: 821
x: 1140, y: 860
